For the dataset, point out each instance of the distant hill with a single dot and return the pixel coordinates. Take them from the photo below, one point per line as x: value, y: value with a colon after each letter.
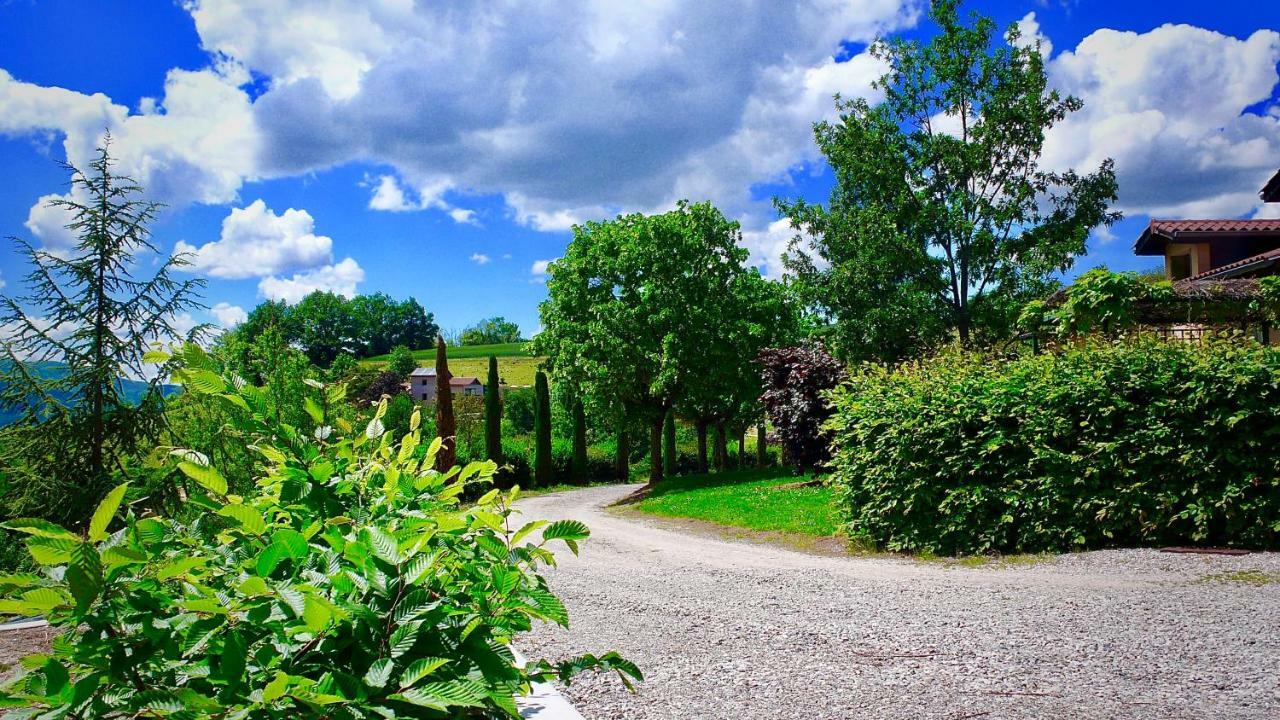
x: 132, y: 390
x: 517, y: 349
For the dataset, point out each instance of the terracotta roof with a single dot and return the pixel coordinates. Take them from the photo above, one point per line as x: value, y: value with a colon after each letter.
x: 1160, y: 232
x: 1249, y: 264
x: 1271, y: 191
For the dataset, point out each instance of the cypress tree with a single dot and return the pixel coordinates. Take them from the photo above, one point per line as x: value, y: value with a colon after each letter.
x: 493, y: 414
x: 541, y: 431
x: 578, y: 472
x: 446, y: 427
x: 669, y: 444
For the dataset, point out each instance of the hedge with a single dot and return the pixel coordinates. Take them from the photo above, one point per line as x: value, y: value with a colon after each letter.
x: 1137, y: 443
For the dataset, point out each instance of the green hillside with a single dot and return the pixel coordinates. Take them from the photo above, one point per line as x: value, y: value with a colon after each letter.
x: 428, y: 355
x: 515, y: 365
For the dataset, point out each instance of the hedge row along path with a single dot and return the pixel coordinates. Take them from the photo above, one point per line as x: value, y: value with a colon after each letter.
x: 734, y: 629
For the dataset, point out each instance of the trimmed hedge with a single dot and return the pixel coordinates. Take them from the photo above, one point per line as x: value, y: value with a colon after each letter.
x: 1137, y: 443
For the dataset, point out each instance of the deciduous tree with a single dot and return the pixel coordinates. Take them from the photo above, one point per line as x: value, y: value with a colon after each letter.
x: 942, y: 221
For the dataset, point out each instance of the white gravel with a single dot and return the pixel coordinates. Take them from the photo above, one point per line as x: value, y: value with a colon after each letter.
x: 734, y: 629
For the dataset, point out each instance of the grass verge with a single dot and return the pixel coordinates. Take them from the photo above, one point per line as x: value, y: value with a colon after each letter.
x: 770, y: 499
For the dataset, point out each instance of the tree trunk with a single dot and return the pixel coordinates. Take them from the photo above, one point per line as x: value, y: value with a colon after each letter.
x: 578, y: 472
x: 762, y: 445
x: 655, y: 449
x: 622, y: 460
x: 702, y: 447
x: 742, y: 447
x: 542, y: 468
x: 721, y: 449
x: 446, y: 426
x: 669, y: 444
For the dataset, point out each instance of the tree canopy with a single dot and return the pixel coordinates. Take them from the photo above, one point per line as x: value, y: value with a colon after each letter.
x: 942, y: 220
x: 492, y: 331
x: 325, y: 325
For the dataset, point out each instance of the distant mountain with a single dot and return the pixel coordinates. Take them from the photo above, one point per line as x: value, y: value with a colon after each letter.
x: 132, y: 390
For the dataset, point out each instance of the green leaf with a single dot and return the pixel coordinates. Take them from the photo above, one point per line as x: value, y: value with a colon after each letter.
x: 206, y: 475
x: 248, y: 518
x: 41, y: 528
x: 84, y: 576
x: 294, y: 544
x: 269, y: 559
x: 549, y: 606
x: 52, y: 551
x: 379, y: 672
x: 106, y: 512
x: 566, y: 530
x: 43, y: 600
x: 315, y: 614
x: 314, y: 410
x: 233, y: 659
x: 403, y: 639
x: 419, y: 669
x: 384, y: 545
x: 204, y: 382
x: 276, y: 688
x: 441, y: 695
x: 179, y: 566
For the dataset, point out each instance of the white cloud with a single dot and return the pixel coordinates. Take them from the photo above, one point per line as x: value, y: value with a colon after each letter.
x: 768, y: 244
x: 49, y: 222
x: 480, y: 258
x: 1168, y: 106
x: 539, y: 268
x: 256, y: 242
x: 341, y: 279
x: 567, y: 112
x: 1029, y: 29
x: 228, y: 315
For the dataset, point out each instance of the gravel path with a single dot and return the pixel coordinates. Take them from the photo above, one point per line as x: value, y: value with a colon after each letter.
x: 732, y: 629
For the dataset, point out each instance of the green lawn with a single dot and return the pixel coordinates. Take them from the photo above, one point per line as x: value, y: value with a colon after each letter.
x: 754, y: 499
x: 515, y: 365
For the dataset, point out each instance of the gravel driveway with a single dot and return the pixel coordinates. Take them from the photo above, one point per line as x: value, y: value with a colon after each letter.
x: 732, y: 629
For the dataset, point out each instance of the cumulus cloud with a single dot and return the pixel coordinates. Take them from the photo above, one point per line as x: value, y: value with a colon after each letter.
x: 1169, y: 106
x: 477, y: 258
x: 539, y: 268
x: 341, y: 279
x: 228, y: 315
x: 256, y: 242
x: 567, y: 112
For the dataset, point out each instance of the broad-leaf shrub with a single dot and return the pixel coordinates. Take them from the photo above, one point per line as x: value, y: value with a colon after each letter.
x: 1104, y: 444
x: 351, y: 583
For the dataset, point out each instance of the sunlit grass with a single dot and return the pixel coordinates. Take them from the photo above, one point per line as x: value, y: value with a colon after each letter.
x: 770, y: 500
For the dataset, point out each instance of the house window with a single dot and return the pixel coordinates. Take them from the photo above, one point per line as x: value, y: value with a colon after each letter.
x: 1179, y: 267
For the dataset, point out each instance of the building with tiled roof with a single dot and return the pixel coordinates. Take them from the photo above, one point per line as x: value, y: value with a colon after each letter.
x: 422, y: 385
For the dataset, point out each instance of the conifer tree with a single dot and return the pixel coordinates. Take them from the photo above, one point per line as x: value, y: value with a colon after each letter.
x: 86, y: 323
x: 446, y: 426
x: 493, y: 414
x: 542, y: 431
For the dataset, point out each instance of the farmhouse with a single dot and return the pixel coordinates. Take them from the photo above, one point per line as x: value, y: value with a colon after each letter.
x: 422, y: 385
x: 1216, y: 249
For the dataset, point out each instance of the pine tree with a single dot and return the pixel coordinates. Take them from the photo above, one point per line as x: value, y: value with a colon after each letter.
x: 578, y: 473
x: 542, y: 432
x: 85, y: 323
x: 493, y: 414
x: 446, y: 427
x: 669, y: 444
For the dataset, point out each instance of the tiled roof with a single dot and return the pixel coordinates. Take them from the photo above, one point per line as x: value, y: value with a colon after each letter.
x: 1159, y: 232
x: 1267, y: 258
x: 464, y: 380
x: 1271, y: 191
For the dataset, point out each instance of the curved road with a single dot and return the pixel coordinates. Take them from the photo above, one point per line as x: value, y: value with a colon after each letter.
x: 734, y: 629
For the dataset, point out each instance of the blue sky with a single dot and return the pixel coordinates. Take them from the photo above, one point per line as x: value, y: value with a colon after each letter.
x: 443, y: 152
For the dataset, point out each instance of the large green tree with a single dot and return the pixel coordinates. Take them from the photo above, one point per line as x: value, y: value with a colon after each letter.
x: 942, y: 220
x: 632, y: 306
x: 491, y: 331
x: 86, y: 322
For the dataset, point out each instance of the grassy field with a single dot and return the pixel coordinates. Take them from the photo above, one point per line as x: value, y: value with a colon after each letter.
x: 515, y: 365
x: 755, y: 499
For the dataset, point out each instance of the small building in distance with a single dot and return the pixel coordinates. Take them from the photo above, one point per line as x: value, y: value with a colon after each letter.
x: 422, y: 385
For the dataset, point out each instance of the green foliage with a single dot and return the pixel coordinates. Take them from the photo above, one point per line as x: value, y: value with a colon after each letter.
x: 493, y: 331
x: 542, y: 431
x: 402, y: 361
x: 578, y: 472
x: 932, y: 231
x: 1104, y: 444
x: 1268, y: 300
x: 88, y: 311
x: 326, y: 325
x: 518, y: 410
x: 493, y: 414
x: 1101, y: 300
x: 350, y: 583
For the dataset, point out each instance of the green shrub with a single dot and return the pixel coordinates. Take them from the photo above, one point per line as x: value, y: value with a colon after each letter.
x: 1137, y: 443
x: 350, y: 584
